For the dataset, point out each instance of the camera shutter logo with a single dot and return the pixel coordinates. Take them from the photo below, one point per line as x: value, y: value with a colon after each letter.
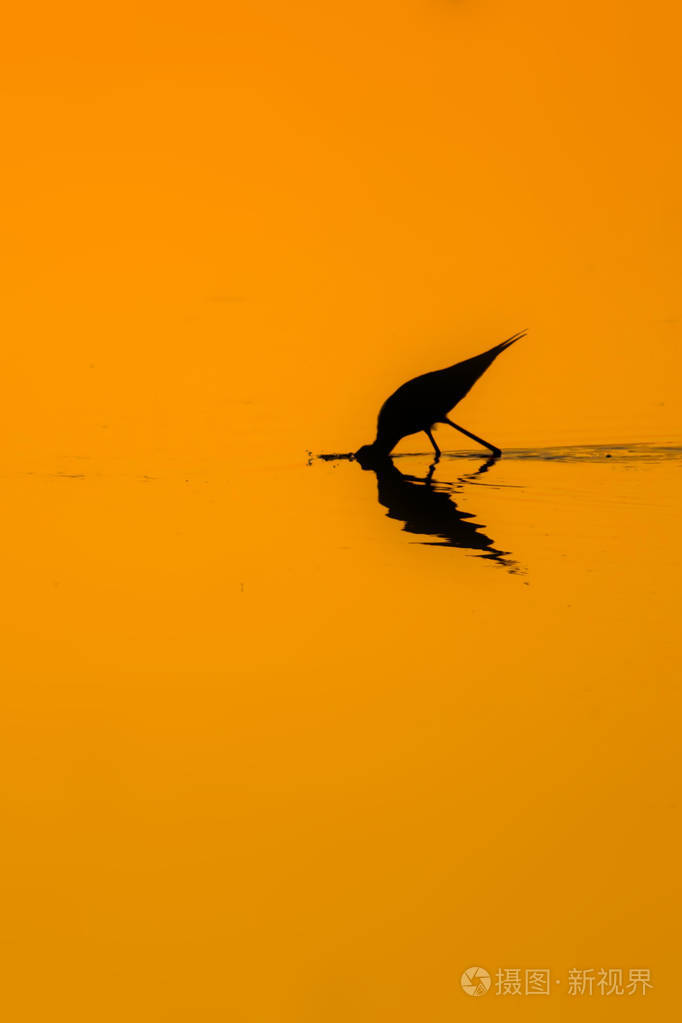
x: 475, y: 981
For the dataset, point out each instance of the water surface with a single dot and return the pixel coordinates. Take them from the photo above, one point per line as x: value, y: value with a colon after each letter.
x: 309, y: 712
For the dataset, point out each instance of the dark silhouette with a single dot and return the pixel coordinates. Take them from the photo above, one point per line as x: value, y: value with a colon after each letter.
x: 426, y: 507
x: 426, y: 400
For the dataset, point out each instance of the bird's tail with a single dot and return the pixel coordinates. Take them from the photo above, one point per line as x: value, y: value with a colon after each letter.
x: 465, y: 374
x: 506, y: 344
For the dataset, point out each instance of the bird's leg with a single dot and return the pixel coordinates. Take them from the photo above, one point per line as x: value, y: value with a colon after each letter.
x: 479, y: 440
x: 428, y: 433
x: 429, y: 475
x: 483, y: 467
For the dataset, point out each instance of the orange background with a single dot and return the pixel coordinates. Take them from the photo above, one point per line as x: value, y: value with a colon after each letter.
x: 214, y: 203
x: 248, y: 774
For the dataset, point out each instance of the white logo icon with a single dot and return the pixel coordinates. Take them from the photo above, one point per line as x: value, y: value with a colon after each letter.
x: 475, y: 981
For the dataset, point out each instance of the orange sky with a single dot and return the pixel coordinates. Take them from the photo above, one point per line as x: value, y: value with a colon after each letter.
x: 204, y: 205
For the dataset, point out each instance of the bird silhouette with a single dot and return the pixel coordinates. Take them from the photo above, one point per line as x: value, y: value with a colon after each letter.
x: 426, y: 400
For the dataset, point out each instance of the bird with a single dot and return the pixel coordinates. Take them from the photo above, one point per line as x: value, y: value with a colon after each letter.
x: 424, y: 401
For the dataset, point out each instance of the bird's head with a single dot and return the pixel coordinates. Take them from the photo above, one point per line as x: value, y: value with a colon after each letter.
x: 365, y: 455
x: 370, y: 455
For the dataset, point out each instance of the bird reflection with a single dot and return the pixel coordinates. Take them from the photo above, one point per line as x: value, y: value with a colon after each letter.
x: 427, y: 508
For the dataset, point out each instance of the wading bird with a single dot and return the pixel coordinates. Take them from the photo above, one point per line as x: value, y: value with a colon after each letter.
x: 426, y: 400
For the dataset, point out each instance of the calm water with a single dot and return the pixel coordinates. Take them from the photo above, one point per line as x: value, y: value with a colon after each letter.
x: 307, y: 713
